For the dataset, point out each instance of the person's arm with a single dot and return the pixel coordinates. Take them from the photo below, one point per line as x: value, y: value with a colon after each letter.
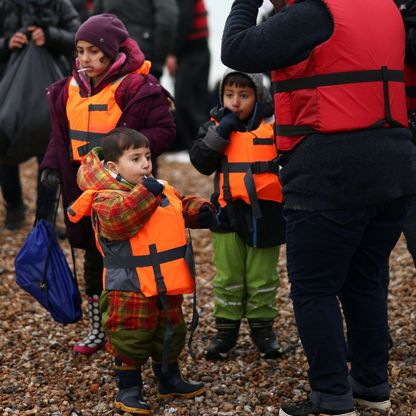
x: 282, y: 40
x: 147, y: 109
x: 197, y: 212
x: 166, y: 22
x: 61, y: 38
x: 122, y: 215
x: 409, y: 18
x: 58, y: 139
x: 185, y: 25
x: 6, y: 12
x: 208, y: 148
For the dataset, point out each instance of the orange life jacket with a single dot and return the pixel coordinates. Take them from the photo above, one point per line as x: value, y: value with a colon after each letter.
x: 90, y: 118
x: 248, y: 170
x: 200, y: 25
x: 153, y: 261
x: 342, y: 86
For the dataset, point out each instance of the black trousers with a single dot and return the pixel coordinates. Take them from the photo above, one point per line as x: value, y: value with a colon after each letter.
x: 93, y: 271
x: 409, y: 229
x: 191, y: 96
x: 339, y: 258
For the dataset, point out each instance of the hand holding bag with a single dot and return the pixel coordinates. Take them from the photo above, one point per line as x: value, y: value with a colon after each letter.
x: 24, y: 111
x: 42, y: 271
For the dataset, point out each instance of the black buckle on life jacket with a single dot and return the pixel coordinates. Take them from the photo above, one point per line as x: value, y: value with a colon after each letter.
x: 265, y: 167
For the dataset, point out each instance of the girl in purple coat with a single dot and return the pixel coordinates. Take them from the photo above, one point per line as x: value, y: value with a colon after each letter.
x: 109, y: 87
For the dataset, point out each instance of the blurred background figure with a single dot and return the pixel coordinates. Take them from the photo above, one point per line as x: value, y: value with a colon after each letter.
x: 151, y: 23
x: 189, y: 64
x: 84, y: 8
x: 51, y: 24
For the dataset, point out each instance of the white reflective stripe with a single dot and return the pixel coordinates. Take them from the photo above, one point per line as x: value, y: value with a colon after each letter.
x: 255, y: 305
x: 269, y: 289
x: 234, y: 287
x: 225, y: 303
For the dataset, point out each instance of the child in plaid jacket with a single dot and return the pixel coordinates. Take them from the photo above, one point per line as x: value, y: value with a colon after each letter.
x: 125, y: 203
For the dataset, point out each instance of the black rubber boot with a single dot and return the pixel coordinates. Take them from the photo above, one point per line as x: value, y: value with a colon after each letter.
x: 264, y: 338
x: 171, y: 384
x: 130, y: 397
x: 15, y: 216
x: 224, y: 340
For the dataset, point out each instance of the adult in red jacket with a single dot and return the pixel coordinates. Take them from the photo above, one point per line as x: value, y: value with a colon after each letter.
x: 134, y: 99
x: 348, y: 171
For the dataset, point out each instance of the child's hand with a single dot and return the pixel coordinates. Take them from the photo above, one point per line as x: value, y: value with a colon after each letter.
x: 230, y: 122
x: 206, y: 216
x: 50, y: 178
x: 153, y: 186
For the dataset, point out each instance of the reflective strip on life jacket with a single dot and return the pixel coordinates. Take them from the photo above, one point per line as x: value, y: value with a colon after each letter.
x: 340, y: 87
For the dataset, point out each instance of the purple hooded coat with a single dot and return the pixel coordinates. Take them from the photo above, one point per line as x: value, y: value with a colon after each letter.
x: 145, y: 107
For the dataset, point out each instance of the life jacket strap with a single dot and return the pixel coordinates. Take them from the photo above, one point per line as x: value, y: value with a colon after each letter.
x: 92, y: 139
x: 123, y: 262
x: 337, y: 78
x: 383, y: 75
x: 249, y: 169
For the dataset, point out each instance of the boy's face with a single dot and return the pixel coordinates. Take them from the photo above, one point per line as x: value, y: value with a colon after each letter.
x: 133, y: 165
x: 239, y: 100
x: 92, y: 58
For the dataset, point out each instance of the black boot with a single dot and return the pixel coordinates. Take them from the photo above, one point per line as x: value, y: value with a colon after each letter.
x: 224, y: 340
x: 15, y: 216
x: 264, y: 338
x: 130, y: 397
x: 171, y: 384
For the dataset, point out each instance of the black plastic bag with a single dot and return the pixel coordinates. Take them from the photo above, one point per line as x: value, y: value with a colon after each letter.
x: 24, y: 112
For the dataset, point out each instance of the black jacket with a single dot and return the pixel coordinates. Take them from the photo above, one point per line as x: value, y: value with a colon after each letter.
x: 57, y: 18
x: 206, y: 155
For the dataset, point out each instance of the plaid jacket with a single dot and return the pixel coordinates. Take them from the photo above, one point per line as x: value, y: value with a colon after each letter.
x: 121, y: 215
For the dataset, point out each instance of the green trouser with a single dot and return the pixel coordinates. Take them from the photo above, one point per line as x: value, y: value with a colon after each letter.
x: 246, y: 281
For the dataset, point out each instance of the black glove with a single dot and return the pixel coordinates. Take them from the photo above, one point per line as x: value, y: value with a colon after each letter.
x: 230, y: 122
x: 152, y: 185
x: 206, y: 217
x: 50, y: 178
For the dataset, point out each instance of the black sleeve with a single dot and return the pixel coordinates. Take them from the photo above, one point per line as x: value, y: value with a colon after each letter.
x: 185, y: 24
x: 282, y: 40
x: 61, y: 38
x: 203, y: 157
